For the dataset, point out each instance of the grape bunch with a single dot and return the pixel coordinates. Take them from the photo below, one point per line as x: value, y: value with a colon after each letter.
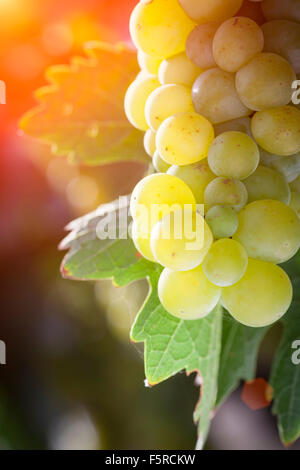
x: 214, y: 98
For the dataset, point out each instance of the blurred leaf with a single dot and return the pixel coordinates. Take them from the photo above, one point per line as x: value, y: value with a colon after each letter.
x: 81, y: 113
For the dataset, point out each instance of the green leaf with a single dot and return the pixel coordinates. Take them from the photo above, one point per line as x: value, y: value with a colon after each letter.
x: 172, y: 345
x: 285, y: 376
x: 81, y: 113
x: 238, y: 355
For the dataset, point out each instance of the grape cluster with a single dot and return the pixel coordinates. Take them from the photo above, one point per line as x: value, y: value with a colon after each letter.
x: 214, y: 98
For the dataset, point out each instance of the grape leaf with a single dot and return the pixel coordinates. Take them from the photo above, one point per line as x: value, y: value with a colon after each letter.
x: 285, y: 376
x: 81, y: 112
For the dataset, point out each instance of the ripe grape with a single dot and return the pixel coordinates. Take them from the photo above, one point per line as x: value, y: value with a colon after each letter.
x: 269, y: 230
x: 236, y: 41
x: 159, y: 164
x: 233, y: 154
x: 160, y: 27
x: 252, y: 9
x: 279, y: 9
x: 140, y: 235
x: 149, y: 142
x: 277, y: 130
x: 199, y: 45
x: 222, y: 220
x: 148, y: 63
x: 184, y: 139
x: 295, y: 202
x: 265, y: 82
x: 289, y: 166
x: 225, y: 263
x: 136, y: 97
x: 225, y: 191
x: 215, y: 97
x: 266, y: 183
x: 242, y: 124
x: 188, y: 295
x: 211, y: 10
x: 166, y: 101
x: 181, y: 240
x: 178, y: 69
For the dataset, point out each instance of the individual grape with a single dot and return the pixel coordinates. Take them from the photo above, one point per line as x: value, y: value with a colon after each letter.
x: 265, y: 82
x: 289, y: 167
x: 277, y: 130
x: 178, y: 69
x: 196, y: 176
x: 136, y: 97
x: 283, y: 37
x: 148, y: 63
x: 233, y: 154
x: 237, y: 41
x: 252, y: 9
x: 279, y: 9
x: 266, y: 183
x: 242, y: 124
x: 295, y: 202
x: 261, y: 297
x: 159, y: 164
x: 160, y: 27
x: 295, y: 185
x: 269, y: 230
x: 156, y: 195
x: 199, y: 45
x: 184, y: 139
x: 215, y: 97
x: 180, y: 240
x: 187, y: 294
x: 225, y: 191
x: 166, y: 101
x: 225, y: 263
x: 222, y: 220
x: 140, y: 235
x: 149, y: 142
x: 212, y: 10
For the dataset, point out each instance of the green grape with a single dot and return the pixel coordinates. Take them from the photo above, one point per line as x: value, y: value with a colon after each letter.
x: 295, y: 185
x: 222, y: 220
x: 277, y: 130
x: 196, y: 176
x: 199, y: 45
x: 166, y: 101
x: 236, y: 41
x: 225, y: 191
x: 269, y: 230
x: 265, y: 82
x: 233, y: 154
x: 188, y: 295
x: 148, y: 63
x: 160, y: 27
x: 149, y: 142
x: 295, y: 203
x: 289, y: 166
x: 178, y: 69
x: 215, y: 97
x: 283, y: 37
x: 136, y: 97
x: 225, y: 263
x: 184, y: 139
x: 159, y: 164
x: 140, y: 235
x: 180, y: 240
x: 266, y: 183
x: 242, y: 124
x: 261, y: 297
x: 281, y: 9
x: 156, y: 195
x: 211, y: 10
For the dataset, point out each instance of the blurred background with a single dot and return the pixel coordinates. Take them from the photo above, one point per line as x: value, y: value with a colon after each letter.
x: 72, y: 379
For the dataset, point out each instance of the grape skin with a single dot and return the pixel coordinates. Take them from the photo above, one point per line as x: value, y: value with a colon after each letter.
x: 212, y: 10
x: 149, y: 142
x: 266, y: 183
x: 141, y: 239
x: 159, y: 164
x: 279, y: 9
x: 178, y: 69
x: 222, y: 220
x: 136, y: 97
x: 295, y: 202
x: 199, y: 45
x: 228, y: 191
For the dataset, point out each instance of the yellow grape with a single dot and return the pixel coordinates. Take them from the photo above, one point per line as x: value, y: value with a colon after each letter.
x: 236, y: 41
x: 184, y: 139
x: 196, y: 176
x: 281, y: 9
x: 261, y: 297
x: 265, y: 82
x: 178, y: 69
x: 181, y: 240
x: 160, y: 27
x: 225, y: 191
x: 141, y: 238
x: 269, y: 230
x: 225, y: 263
x: 136, y: 97
x: 148, y: 63
x: 149, y: 142
x: 277, y: 130
x: 166, y: 101
x: 295, y: 203
x: 188, y: 295
x: 215, y: 97
x: 233, y: 154
x: 199, y: 45
x: 159, y: 164
x: 222, y: 220
x: 242, y: 124
x: 210, y: 10
x: 266, y: 183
